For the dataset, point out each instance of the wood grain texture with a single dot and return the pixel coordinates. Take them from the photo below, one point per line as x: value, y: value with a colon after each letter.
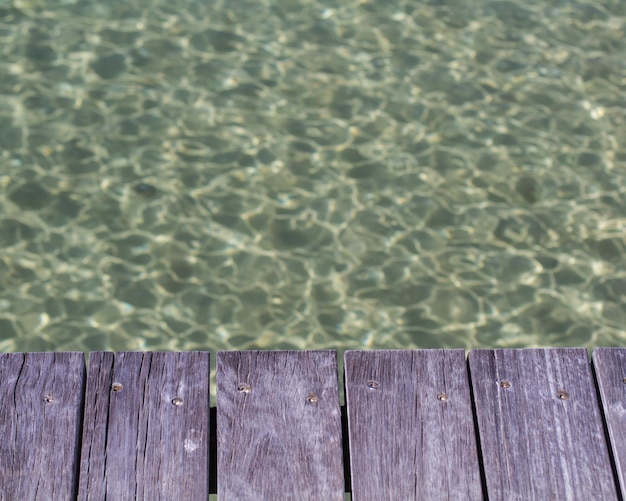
x: 540, y: 427
x: 610, y: 367
x: 146, y: 427
x: 278, y: 426
x: 40, y: 412
x: 411, y: 429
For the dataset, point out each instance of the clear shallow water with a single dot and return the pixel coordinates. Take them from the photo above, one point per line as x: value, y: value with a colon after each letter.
x: 280, y: 174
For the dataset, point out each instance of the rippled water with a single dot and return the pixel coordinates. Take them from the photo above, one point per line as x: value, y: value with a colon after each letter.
x: 312, y: 174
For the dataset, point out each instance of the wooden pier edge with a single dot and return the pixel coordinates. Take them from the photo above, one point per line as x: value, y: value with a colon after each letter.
x: 545, y: 423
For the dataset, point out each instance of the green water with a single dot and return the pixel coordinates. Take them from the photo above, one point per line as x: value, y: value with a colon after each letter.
x: 312, y: 174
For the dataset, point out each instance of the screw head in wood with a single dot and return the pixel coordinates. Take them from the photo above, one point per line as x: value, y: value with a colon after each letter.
x: 505, y: 384
x: 372, y: 384
x: 117, y: 387
x: 244, y: 388
x: 312, y: 398
x: 563, y: 395
x: 442, y: 396
x: 49, y: 398
x: 177, y: 401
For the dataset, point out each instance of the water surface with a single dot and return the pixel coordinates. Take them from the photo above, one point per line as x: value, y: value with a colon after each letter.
x: 312, y: 174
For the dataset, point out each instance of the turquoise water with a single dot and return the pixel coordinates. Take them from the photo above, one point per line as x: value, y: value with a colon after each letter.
x: 312, y: 174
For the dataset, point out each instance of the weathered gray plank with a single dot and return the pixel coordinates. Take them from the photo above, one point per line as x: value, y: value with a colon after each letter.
x: 411, y: 429
x: 40, y: 409
x: 540, y: 427
x: 278, y: 426
x: 610, y: 368
x: 146, y: 427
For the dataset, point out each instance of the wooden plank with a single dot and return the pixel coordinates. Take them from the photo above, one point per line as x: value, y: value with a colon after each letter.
x: 40, y: 410
x: 278, y: 426
x: 146, y: 427
x: 540, y: 426
x: 411, y: 429
x: 610, y: 368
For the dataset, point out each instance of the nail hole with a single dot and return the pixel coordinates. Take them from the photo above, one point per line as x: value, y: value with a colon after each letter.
x: 244, y: 388
x: 49, y: 398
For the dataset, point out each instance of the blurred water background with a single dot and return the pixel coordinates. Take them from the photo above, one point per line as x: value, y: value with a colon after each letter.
x: 344, y: 174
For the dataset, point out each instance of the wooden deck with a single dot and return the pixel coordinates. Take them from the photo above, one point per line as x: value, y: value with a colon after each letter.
x: 511, y: 424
